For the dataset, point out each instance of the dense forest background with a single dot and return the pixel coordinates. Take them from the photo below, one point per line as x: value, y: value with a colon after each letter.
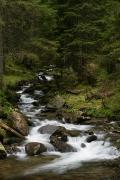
x: 65, y: 33
x: 81, y: 38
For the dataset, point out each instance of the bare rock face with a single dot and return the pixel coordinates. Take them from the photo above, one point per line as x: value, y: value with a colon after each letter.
x: 19, y: 123
x: 3, y: 153
x: 35, y: 148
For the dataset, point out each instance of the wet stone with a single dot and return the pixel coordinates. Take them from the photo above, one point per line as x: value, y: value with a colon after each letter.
x: 83, y: 145
x: 34, y: 148
x: 91, y: 138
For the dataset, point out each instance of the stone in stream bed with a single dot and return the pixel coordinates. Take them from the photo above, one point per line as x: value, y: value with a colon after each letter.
x: 48, y: 129
x: 12, y: 149
x: 83, y: 145
x: 35, y: 148
x: 59, y: 138
x: 91, y: 138
x: 61, y: 145
x: 60, y: 134
x: 60, y: 130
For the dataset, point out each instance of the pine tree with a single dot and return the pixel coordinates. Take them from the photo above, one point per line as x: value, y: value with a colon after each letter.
x: 80, y: 27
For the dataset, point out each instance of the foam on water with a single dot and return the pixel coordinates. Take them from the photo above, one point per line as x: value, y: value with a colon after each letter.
x: 26, y: 99
x: 94, y: 151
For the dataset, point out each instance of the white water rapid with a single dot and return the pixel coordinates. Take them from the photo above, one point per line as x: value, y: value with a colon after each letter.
x: 94, y: 151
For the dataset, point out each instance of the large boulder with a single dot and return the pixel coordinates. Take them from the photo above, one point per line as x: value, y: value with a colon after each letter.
x: 60, y: 133
x: 61, y: 145
x: 55, y: 103
x: 59, y: 140
x: 3, y: 153
x: 19, y: 123
x: 58, y: 130
x: 35, y: 148
x: 48, y: 129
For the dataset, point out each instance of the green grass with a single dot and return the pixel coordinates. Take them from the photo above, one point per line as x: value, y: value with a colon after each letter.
x: 13, y: 79
x: 77, y: 102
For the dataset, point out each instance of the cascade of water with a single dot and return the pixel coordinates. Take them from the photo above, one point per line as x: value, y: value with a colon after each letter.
x: 96, y: 150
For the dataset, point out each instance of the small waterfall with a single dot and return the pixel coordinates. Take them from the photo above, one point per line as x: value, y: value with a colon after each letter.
x: 94, y: 151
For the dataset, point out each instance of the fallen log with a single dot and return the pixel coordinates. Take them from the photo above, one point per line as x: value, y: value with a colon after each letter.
x: 6, y: 127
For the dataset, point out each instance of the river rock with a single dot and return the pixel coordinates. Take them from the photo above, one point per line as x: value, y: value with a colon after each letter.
x: 12, y: 149
x: 59, y: 138
x: 91, y: 138
x: 34, y: 148
x: 3, y: 153
x: 48, y: 129
x: 55, y: 103
x: 80, y: 116
x: 19, y: 123
x: 61, y: 134
x: 83, y: 145
x: 61, y: 145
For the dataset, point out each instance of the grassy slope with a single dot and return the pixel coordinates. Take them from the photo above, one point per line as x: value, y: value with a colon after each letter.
x: 107, y: 106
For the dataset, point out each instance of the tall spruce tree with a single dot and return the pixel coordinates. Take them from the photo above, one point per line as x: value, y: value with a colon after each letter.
x: 111, y: 37
x: 80, y: 27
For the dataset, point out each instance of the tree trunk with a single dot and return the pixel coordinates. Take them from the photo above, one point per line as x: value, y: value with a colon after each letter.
x: 7, y: 128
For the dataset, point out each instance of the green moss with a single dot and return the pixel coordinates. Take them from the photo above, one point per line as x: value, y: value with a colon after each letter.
x: 99, y: 113
x: 12, y: 80
x: 5, y: 106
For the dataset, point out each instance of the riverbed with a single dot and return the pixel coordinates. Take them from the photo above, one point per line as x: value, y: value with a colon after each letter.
x: 97, y: 160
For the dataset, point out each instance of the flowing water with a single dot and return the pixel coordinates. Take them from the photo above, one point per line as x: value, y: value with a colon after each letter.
x: 92, y: 162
